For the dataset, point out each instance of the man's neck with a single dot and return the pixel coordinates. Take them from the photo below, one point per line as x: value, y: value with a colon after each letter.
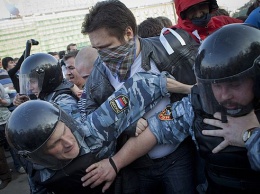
x: 138, y: 46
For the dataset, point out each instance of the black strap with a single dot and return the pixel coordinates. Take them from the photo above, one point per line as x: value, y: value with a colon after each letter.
x: 113, y: 164
x: 64, y: 91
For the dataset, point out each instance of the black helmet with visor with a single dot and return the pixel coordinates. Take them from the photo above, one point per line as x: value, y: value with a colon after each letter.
x: 229, y: 54
x: 42, y: 69
x: 31, y: 125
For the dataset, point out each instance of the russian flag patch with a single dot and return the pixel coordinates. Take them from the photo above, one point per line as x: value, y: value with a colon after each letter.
x: 119, y: 103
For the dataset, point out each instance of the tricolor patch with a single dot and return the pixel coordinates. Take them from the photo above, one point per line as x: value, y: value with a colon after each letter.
x: 119, y: 103
x: 166, y: 114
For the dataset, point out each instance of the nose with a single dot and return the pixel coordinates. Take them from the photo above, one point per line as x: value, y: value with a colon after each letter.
x: 66, y: 142
x: 226, y: 94
x: 198, y: 13
x: 68, y: 72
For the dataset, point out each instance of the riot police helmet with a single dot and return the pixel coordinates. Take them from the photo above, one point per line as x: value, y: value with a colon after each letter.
x: 229, y: 54
x: 32, y: 124
x: 40, y: 74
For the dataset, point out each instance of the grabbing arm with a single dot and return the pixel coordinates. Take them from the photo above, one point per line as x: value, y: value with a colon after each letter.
x: 178, y: 87
x: 103, y: 171
x: 138, y: 95
x: 232, y: 131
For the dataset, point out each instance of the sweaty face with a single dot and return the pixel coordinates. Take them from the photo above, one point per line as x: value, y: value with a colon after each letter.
x: 62, y: 143
x: 234, y: 95
x: 197, y: 11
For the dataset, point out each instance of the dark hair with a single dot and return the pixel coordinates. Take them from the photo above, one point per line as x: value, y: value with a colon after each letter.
x: 70, y: 54
x: 71, y: 44
x: 61, y: 54
x: 53, y: 53
x: 149, y: 28
x: 112, y: 15
x: 213, y: 5
x: 165, y: 21
x: 5, y: 61
x: 252, y: 7
x: 16, y: 59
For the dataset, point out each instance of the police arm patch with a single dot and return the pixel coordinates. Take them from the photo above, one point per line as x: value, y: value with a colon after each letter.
x: 119, y: 103
x: 166, y: 114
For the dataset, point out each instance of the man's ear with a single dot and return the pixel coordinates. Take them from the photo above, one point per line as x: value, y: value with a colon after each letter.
x: 129, y: 34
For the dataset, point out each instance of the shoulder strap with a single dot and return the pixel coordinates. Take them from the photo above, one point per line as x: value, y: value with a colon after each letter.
x: 64, y: 91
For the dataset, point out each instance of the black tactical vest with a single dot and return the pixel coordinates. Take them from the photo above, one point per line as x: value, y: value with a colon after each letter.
x: 230, y: 167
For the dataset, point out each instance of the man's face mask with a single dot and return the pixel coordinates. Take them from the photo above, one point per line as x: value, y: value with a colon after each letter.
x: 119, y: 59
x: 202, y: 21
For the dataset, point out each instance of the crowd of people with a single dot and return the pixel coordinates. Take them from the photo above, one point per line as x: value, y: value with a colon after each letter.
x: 147, y: 109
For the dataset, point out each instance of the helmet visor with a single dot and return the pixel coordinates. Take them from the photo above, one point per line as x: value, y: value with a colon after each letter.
x: 233, y: 96
x: 33, y: 124
x: 59, y: 150
x: 31, y: 83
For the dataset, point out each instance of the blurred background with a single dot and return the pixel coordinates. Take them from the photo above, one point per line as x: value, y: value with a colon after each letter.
x: 57, y: 23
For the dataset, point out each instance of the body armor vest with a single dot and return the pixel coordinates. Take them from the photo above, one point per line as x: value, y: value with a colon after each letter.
x: 230, y: 167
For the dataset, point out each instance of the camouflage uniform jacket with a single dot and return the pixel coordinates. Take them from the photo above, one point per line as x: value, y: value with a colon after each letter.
x: 176, y: 122
x: 185, y: 118
x: 253, y: 149
x: 102, y: 127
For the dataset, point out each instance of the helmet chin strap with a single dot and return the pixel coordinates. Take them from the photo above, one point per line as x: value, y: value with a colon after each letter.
x: 223, y: 115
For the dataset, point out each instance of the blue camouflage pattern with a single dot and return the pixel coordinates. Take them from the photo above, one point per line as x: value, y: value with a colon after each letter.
x: 141, y: 93
x: 69, y: 104
x: 104, y: 125
x: 253, y: 149
x: 174, y: 131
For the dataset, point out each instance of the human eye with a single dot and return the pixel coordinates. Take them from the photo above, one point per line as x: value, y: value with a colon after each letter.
x: 32, y: 81
x: 85, y: 77
x: 235, y: 84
